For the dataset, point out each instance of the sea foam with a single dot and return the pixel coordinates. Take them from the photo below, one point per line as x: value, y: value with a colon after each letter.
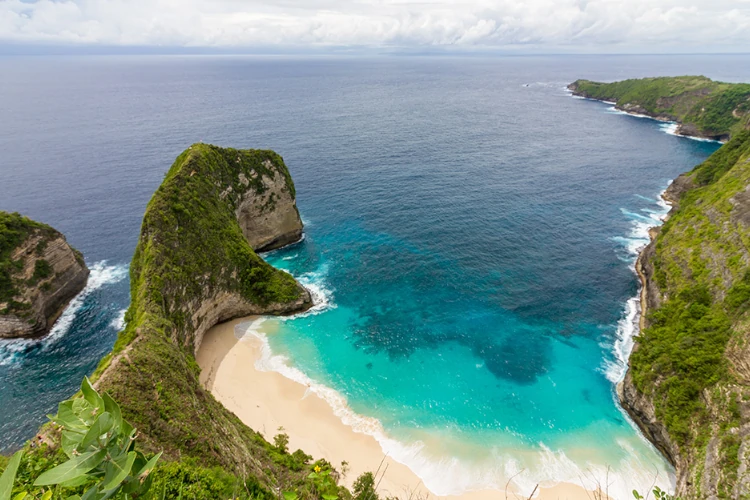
x: 101, y: 274
x: 633, y: 243
x: 118, y: 323
x: 320, y: 292
x: 668, y: 127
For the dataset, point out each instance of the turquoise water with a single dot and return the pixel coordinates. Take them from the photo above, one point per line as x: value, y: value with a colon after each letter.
x: 463, y: 390
x: 470, y: 234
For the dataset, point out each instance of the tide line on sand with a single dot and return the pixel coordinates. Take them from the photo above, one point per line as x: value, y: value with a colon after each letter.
x: 267, y: 400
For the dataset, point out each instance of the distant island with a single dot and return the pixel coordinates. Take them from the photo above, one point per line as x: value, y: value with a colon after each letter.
x: 688, y: 386
x: 40, y: 273
x: 702, y: 107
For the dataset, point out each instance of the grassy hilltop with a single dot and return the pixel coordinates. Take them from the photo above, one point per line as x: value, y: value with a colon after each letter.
x: 703, y: 107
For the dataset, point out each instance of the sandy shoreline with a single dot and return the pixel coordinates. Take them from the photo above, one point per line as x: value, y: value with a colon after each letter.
x: 266, y: 401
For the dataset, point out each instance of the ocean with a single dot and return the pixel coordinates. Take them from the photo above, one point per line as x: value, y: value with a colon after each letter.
x: 470, y: 234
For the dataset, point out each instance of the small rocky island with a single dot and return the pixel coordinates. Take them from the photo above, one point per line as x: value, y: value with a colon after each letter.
x: 40, y: 273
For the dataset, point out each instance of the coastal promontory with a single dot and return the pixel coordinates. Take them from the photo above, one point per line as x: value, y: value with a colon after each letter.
x: 195, y: 265
x: 700, y: 106
x: 40, y: 273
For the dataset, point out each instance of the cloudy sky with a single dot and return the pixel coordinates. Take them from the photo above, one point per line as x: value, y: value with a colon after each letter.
x: 461, y: 25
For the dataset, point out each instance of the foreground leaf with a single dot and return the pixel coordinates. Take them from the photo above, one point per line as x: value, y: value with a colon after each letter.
x: 102, y: 425
x: 118, y: 470
x: 146, y: 469
x: 9, y: 476
x: 70, y: 441
x: 68, y: 418
x: 90, y: 395
x: 71, y: 469
x: 78, y: 481
x: 114, y: 409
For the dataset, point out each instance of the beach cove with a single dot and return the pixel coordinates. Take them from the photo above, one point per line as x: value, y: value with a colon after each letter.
x: 267, y: 401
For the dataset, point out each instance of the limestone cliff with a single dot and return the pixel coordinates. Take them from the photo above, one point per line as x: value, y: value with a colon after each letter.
x: 700, y: 106
x: 688, y: 387
x: 195, y: 266
x: 39, y: 275
x: 269, y: 219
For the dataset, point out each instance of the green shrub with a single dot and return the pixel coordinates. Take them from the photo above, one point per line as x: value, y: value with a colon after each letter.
x: 189, y: 480
x: 99, y: 455
x: 42, y: 270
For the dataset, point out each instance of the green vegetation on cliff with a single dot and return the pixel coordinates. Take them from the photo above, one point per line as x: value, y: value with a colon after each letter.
x: 690, y: 360
x: 702, y: 106
x: 32, y: 291
x: 192, y: 256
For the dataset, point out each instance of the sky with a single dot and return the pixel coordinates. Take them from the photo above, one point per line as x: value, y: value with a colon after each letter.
x: 585, y: 26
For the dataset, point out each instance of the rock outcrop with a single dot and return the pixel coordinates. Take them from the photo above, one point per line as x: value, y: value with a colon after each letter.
x: 269, y: 219
x: 41, y: 274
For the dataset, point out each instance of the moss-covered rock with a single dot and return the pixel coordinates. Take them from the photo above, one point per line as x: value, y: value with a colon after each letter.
x: 39, y: 276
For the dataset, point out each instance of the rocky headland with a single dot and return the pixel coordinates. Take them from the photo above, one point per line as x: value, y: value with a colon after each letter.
x: 701, y: 107
x: 196, y: 265
x: 688, y: 383
x: 40, y: 273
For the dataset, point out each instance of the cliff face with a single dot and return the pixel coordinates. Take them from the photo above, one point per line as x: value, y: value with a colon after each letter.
x: 195, y: 266
x: 701, y: 107
x: 269, y: 219
x: 39, y: 275
x: 688, y: 384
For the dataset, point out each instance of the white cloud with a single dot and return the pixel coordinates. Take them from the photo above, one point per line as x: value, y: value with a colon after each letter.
x: 473, y: 24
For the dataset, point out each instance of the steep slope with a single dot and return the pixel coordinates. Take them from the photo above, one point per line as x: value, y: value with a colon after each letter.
x: 193, y: 267
x: 39, y: 275
x: 701, y: 106
x: 688, y: 386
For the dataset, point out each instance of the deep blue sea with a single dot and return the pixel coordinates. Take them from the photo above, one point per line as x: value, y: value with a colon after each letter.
x: 470, y: 235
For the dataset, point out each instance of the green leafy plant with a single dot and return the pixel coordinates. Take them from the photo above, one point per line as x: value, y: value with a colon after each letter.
x: 659, y: 494
x: 364, y: 487
x: 100, y: 447
x: 9, y: 475
x: 324, y: 484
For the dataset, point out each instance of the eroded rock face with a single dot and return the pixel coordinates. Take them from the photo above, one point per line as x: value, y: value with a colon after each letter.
x: 47, y: 275
x: 269, y: 220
